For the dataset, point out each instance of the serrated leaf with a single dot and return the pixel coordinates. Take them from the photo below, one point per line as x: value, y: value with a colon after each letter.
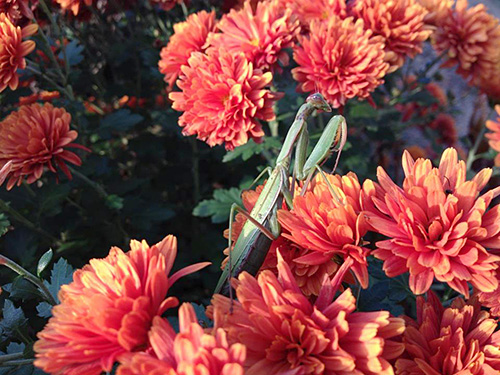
x: 13, y: 319
x: 119, y: 121
x: 251, y: 148
x: 73, y: 53
x: 44, y: 310
x: 61, y: 274
x: 44, y: 262
x: 219, y: 206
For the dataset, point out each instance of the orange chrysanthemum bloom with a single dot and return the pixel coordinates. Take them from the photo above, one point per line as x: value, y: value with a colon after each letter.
x: 189, y: 36
x: 470, y: 39
x: 437, y: 10
x: 190, y: 352
x: 494, y: 136
x: 339, y: 59
x: 399, y: 22
x: 166, y: 4
x: 13, y: 50
x: 317, y: 10
x: 108, y: 309
x: 287, y: 334
x: 223, y: 98
x: 36, y: 137
x: 329, y: 223
x: 492, y: 299
x: 16, y: 10
x: 460, y: 339
x: 262, y: 35
x: 437, y: 224
x: 73, y: 6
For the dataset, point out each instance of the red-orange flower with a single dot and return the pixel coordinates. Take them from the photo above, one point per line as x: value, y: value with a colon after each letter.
x: 339, y: 59
x: 166, y: 4
x: 262, y: 35
x: 445, y: 125
x: 492, y: 299
x: 223, y: 98
x: 494, y: 136
x: 73, y: 6
x: 36, y: 137
x: 108, y: 309
x: 189, y: 36
x: 190, y: 352
x: 399, y: 22
x: 287, y: 334
x: 437, y: 224
x: 460, y: 339
x: 44, y: 96
x: 437, y: 10
x: 317, y: 10
x: 13, y: 50
x: 470, y: 39
x: 16, y: 10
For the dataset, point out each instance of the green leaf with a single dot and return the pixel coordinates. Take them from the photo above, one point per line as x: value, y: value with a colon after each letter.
x: 13, y: 319
x: 219, y: 206
x: 22, y: 289
x: 62, y: 273
x: 251, y: 148
x: 73, y: 53
x: 44, y: 310
x: 4, y: 224
x: 119, y: 121
x: 361, y: 111
x: 44, y: 262
x: 114, y: 202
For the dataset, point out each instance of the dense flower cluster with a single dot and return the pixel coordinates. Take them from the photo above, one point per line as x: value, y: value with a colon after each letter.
x: 437, y: 224
x: 74, y: 6
x: 108, y: 309
x: 318, y: 10
x: 437, y: 10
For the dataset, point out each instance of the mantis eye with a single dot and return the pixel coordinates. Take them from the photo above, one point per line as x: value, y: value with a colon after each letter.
x: 318, y: 101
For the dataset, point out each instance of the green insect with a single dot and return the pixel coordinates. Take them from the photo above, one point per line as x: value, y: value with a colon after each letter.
x: 262, y: 225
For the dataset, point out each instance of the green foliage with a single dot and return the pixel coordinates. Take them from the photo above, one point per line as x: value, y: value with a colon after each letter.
x: 4, y: 224
x: 13, y: 323
x: 44, y: 262
x: 120, y: 121
x: 219, y: 206
x: 251, y: 148
x: 61, y: 274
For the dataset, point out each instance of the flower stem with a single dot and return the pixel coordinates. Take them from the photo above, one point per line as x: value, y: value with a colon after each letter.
x: 94, y: 185
x: 10, y: 357
x: 28, y: 276
x: 21, y: 362
x: 471, y: 157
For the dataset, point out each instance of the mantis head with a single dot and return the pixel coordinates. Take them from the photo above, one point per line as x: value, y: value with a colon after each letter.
x: 319, y: 102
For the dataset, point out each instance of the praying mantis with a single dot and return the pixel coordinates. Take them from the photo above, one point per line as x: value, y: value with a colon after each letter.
x: 262, y: 225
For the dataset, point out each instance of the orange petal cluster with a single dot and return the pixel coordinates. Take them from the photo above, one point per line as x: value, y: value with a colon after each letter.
x: 399, y: 22
x: 437, y: 10
x: 340, y: 59
x: 494, y: 135
x: 13, y: 50
x: 438, y: 225
x: 469, y: 37
x: 223, y: 98
x: 329, y: 223
x: 108, y: 309
x: 492, y: 299
x: 189, y: 36
x: 460, y: 339
x: 74, y: 6
x: 287, y: 334
x: 190, y: 352
x: 36, y: 137
x: 17, y: 11
x: 317, y: 10
x: 262, y: 34
x: 166, y: 4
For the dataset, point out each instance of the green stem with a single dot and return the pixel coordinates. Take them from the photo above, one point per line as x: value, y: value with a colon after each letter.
x: 195, y: 170
x: 184, y: 9
x: 21, y: 362
x: 472, y: 153
x: 94, y: 185
x: 10, y: 357
x: 28, y: 276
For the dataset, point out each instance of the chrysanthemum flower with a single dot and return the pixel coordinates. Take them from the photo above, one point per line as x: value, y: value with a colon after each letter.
x: 445, y: 125
x: 189, y: 36
x: 108, y: 309
x: 13, y: 50
x: 191, y: 351
x: 16, y: 10
x: 287, y: 334
x: 73, y: 6
x: 470, y: 39
x: 262, y: 35
x: 460, y: 339
x: 492, y: 299
x: 494, y: 136
x: 438, y: 224
x: 223, y: 98
x: 437, y: 10
x: 36, y: 137
x: 317, y: 10
x: 399, y: 22
x: 329, y: 224
x: 166, y: 4
x: 340, y: 59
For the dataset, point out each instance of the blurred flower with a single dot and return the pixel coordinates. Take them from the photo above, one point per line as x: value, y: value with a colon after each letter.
x: 416, y: 152
x: 73, y: 6
x: 166, y: 4
x: 492, y: 299
x: 13, y: 50
x: 339, y: 59
x: 437, y: 224
x: 43, y: 96
x: 317, y: 10
x: 36, y: 137
x: 190, y: 352
x: 469, y: 38
x: 16, y: 10
x: 189, y: 36
x: 494, y: 136
x: 460, y: 339
x: 108, y: 309
x: 445, y: 125
x: 438, y: 10
x: 399, y: 22
x: 329, y: 224
x: 287, y: 334
x: 262, y: 35
x: 223, y: 98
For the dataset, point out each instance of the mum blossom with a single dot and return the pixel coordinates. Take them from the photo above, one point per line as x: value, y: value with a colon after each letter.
x: 287, y: 334
x: 34, y: 138
x: 494, y: 135
x: 469, y: 38
x: 437, y: 10
x: 262, y: 35
x: 329, y: 223
x: 191, y: 351
x: 16, y: 10
x: 73, y: 6
x: 460, y: 339
x: 223, y: 98
x: 437, y: 224
x: 108, y: 308
x: 340, y: 59
x: 317, y: 10
x: 13, y: 50
x: 399, y: 22
x: 189, y: 36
